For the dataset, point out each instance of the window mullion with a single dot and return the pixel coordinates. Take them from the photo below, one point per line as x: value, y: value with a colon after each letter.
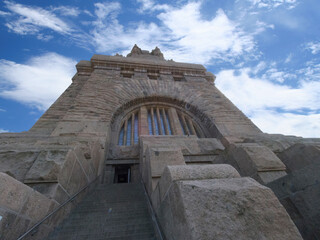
x: 125, y: 132
x: 159, y: 122
x: 185, y: 125
x: 193, y: 132
x: 165, y: 121
x: 153, y: 122
x: 132, y: 129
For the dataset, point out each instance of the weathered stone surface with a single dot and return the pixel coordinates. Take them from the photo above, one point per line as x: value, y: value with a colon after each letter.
x: 161, y: 157
x: 250, y: 159
x: 278, y: 142
x: 46, y: 166
x: 16, y: 163
x: 232, y: 208
x: 300, y: 155
x: 12, y: 192
x: 89, y: 127
x: 190, y: 145
x: 194, y: 172
x: 21, y: 206
x: 66, y: 169
x: 299, y: 193
x: 155, y: 162
x: 77, y: 179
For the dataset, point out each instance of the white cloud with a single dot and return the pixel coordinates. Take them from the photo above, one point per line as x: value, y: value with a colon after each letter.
x: 2, y: 110
x: 288, y: 123
x: 45, y: 38
x: 273, y: 106
x: 108, y: 34
x: 273, y: 74
x: 182, y: 33
x: 274, y: 3
x: 262, y: 26
x: 150, y: 5
x: 2, y: 13
x: 3, y: 130
x: 314, y: 47
x: 289, y: 58
x: 37, y: 83
x: 30, y: 20
x: 67, y: 10
x: 194, y: 38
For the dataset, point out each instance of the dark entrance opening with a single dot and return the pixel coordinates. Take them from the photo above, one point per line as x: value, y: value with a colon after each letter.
x: 122, y: 174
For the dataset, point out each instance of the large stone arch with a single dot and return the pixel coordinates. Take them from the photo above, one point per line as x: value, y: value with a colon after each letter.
x: 203, y: 120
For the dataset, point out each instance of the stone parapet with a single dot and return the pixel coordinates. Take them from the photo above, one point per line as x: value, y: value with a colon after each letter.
x: 20, y: 207
x: 199, y: 202
x: 255, y: 161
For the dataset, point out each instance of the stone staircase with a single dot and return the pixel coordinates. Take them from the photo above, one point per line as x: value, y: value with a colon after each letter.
x: 113, y: 212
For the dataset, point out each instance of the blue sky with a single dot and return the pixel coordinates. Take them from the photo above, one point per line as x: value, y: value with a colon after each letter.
x: 265, y: 54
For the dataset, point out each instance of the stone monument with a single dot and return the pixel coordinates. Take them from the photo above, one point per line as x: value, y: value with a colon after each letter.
x: 161, y: 134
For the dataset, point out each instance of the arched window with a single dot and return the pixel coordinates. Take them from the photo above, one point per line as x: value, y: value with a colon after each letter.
x: 157, y: 120
x: 129, y: 131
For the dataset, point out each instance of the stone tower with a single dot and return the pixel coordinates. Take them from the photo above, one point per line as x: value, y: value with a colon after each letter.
x: 143, y: 120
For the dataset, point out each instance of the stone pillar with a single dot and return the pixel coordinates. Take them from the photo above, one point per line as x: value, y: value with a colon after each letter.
x: 143, y: 120
x: 174, y: 120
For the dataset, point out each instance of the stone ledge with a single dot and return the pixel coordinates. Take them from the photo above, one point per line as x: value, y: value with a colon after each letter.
x: 194, y: 172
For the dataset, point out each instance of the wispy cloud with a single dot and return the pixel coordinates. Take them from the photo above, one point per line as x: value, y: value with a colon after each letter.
x: 274, y: 3
x: 38, y: 82
x: 30, y: 20
x: 67, y: 10
x: 150, y: 5
x: 314, y: 47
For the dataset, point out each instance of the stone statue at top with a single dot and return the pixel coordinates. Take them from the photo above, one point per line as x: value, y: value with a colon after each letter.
x: 155, y: 54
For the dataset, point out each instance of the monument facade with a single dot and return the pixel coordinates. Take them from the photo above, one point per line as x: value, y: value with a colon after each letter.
x: 207, y: 170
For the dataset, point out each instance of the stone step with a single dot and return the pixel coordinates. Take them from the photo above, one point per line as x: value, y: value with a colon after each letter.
x: 94, y: 236
x: 117, y: 211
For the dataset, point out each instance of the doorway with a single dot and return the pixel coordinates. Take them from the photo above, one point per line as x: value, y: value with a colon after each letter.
x: 122, y: 174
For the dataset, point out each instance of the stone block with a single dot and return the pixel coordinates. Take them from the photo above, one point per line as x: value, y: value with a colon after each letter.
x: 17, y: 163
x: 189, y: 145
x: 250, y: 159
x: 12, y: 193
x: 95, y: 128
x: 269, y: 176
x: 161, y: 157
x: 46, y: 167
x: 155, y: 198
x: 36, y: 206
x: 7, y: 219
x: 98, y: 157
x: 83, y: 155
x: 60, y: 195
x: 194, y: 172
x: 156, y: 160
x: 77, y: 179
x: 40, y: 232
x: 300, y: 155
x: 66, y: 169
x: 20, y: 207
x: 232, y: 208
